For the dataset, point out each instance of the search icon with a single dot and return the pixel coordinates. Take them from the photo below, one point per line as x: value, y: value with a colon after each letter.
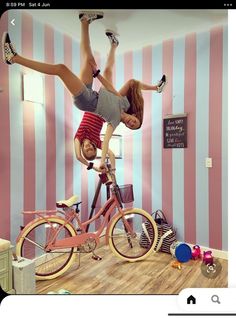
x: 215, y: 299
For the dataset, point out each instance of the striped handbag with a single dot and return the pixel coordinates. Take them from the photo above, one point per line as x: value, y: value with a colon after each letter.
x: 163, y: 227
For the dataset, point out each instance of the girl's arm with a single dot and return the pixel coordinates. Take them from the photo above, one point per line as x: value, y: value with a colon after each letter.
x: 105, y: 145
x: 108, y: 86
x: 112, y: 159
x: 77, y: 147
x: 113, y: 165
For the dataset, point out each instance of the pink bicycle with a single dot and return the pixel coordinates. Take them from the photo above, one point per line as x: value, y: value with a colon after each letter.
x: 53, y: 238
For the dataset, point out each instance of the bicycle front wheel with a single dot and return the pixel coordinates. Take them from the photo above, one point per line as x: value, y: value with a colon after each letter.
x: 128, y: 245
x: 31, y: 245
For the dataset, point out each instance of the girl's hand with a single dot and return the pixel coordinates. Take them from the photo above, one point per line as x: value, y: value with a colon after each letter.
x: 93, y: 65
x: 103, y: 167
x: 97, y: 169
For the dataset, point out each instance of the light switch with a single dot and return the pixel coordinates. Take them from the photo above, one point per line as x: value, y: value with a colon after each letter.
x: 208, y: 162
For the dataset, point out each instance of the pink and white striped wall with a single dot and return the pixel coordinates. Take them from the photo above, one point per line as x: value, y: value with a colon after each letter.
x: 38, y: 166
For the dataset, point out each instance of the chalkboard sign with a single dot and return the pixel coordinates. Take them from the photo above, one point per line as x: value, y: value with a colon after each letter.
x: 175, y: 131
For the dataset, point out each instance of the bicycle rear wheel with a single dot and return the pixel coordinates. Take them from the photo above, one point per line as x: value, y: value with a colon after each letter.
x: 126, y: 245
x: 31, y: 245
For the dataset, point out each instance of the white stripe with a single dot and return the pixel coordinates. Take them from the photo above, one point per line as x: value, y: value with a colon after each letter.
x: 103, y: 188
x: 40, y: 126
x: 119, y: 81
x: 77, y: 115
x: 202, y: 133
x: 137, y: 139
x: 59, y: 120
x: 156, y: 131
x: 178, y: 154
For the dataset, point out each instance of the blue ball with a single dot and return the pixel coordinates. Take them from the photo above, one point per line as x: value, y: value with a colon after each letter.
x: 183, y: 253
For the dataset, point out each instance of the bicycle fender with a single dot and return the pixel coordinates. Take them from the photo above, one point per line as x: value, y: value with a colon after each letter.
x: 36, y: 220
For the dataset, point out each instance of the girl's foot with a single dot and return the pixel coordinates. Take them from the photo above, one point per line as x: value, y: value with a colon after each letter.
x: 90, y: 16
x: 161, y: 84
x: 8, y: 50
x: 112, y: 36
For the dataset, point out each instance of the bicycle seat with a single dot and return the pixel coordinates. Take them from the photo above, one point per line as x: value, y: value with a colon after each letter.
x: 68, y: 203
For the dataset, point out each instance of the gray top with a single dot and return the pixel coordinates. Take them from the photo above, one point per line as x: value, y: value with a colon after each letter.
x: 110, y: 106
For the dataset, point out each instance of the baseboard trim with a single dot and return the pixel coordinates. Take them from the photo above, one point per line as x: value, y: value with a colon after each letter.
x: 215, y: 252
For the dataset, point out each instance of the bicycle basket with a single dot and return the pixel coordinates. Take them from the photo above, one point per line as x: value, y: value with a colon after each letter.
x: 126, y: 193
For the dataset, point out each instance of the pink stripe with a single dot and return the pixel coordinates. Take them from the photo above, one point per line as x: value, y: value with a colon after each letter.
x: 4, y: 144
x: 28, y: 123
x: 68, y: 124
x: 190, y: 151
x: 215, y: 137
x: 147, y: 133
x: 128, y: 137
x: 167, y: 192
x: 50, y: 122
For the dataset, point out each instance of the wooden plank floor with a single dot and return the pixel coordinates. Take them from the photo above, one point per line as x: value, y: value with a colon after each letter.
x: 113, y: 276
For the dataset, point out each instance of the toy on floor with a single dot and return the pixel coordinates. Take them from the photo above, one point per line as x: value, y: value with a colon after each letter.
x: 196, y: 253
x: 181, y: 251
x: 208, y: 258
x: 176, y: 264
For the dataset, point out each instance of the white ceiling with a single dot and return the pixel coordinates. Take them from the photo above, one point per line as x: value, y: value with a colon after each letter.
x: 137, y: 28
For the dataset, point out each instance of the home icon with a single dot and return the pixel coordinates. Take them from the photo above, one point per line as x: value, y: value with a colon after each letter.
x: 191, y: 300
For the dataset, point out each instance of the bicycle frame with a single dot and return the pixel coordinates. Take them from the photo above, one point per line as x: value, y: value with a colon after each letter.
x: 79, y: 239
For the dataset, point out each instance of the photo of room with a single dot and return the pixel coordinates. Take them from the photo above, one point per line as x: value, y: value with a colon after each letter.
x: 165, y: 227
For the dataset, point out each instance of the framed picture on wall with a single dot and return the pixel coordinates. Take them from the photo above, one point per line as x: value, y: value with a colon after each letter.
x: 175, y: 131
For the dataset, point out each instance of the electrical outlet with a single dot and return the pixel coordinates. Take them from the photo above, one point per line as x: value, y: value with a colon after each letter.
x: 208, y: 162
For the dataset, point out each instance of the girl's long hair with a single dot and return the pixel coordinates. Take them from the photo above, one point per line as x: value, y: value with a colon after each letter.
x: 136, y: 101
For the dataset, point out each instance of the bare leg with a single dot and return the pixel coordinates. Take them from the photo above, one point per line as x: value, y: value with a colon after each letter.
x: 86, y: 73
x: 147, y: 87
x: 71, y: 81
x: 107, y: 74
x: 158, y: 87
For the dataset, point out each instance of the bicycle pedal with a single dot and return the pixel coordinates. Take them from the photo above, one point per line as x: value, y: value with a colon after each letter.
x: 96, y: 258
